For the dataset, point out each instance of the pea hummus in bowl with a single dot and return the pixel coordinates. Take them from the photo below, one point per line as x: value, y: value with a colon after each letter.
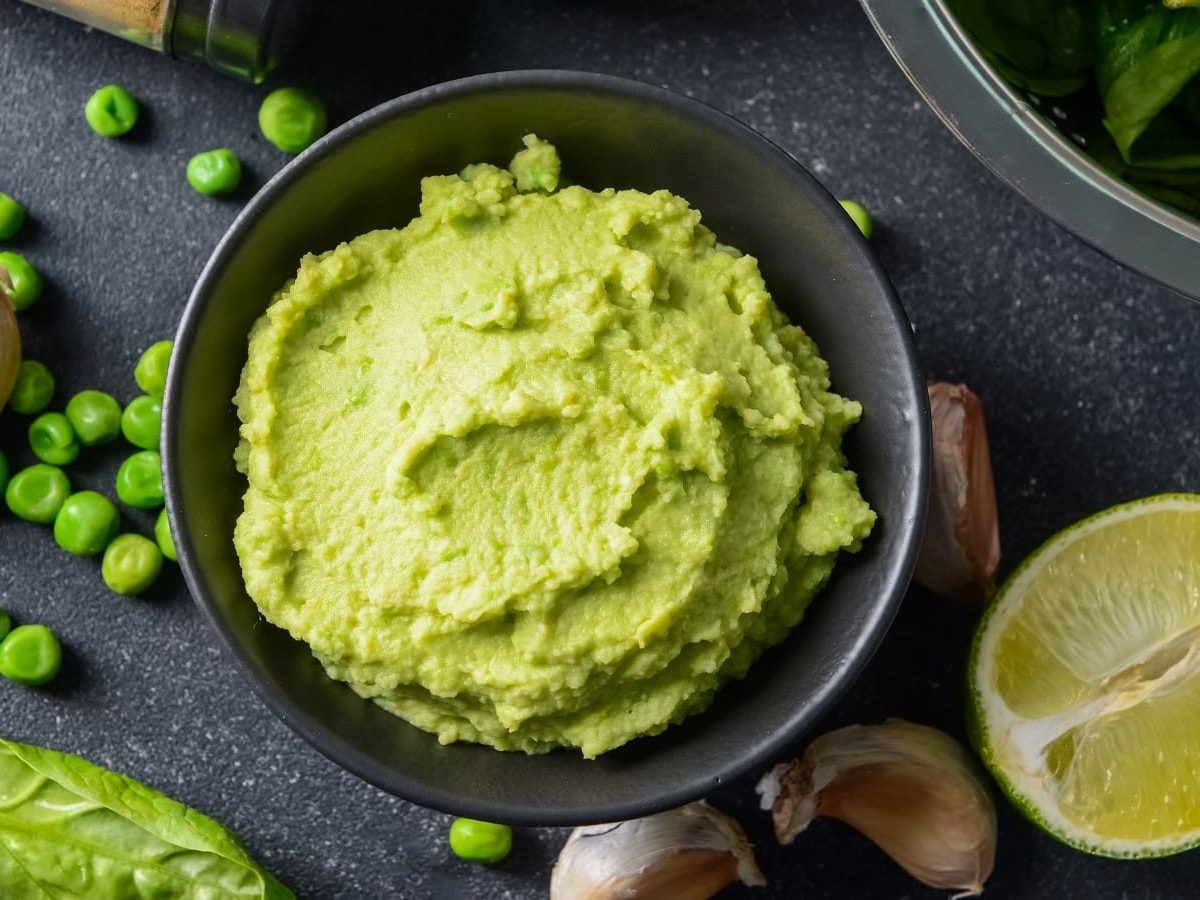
x: 546, y: 467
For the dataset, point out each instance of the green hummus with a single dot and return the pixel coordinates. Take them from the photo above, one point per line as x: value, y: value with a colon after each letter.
x: 545, y: 467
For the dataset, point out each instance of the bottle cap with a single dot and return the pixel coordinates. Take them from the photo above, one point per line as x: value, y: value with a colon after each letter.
x: 245, y: 38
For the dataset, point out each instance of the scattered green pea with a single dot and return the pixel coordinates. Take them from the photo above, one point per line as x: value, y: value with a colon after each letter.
x: 131, y: 564
x: 12, y: 217
x: 150, y: 373
x: 26, y: 281
x: 37, y: 494
x: 215, y: 173
x: 478, y: 841
x: 5, y: 623
x: 95, y: 416
x: 859, y: 214
x: 4, y: 470
x: 141, y: 423
x: 291, y: 119
x: 86, y: 523
x: 164, y: 538
x: 53, y: 440
x: 30, y: 654
x: 139, y: 480
x: 33, y: 390
x: 111, y: 111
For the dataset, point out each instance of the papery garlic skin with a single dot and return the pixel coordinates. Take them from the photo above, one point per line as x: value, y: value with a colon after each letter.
x: 689, y: 853
x: 961, y: 548
x: 913, y: 790
x: 10, y: 340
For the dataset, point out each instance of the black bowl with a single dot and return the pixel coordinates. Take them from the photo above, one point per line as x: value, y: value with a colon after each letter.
x: 610, y: 132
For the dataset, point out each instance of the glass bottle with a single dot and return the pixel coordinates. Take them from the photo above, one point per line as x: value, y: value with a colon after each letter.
x: 245, y: 38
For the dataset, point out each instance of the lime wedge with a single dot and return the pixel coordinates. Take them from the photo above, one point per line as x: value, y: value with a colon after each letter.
x: 1085, y: 681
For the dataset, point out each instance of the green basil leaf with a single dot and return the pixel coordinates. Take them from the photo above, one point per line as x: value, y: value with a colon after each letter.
x: 69, y: 828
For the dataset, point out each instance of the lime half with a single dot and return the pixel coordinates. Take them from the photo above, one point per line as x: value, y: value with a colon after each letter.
x: 1085, y: 681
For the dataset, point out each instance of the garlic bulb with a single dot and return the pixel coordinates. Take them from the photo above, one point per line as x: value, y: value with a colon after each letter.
x: 961, y: 549
x: 688, y: 853
x: 10, y: 340
x: 911, y: 789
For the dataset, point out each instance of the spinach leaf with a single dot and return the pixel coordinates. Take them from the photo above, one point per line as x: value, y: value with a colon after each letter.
x: 1044, y: 46
x: 1147, y: 63
x: 1137, y: 61
x: 1179, y: 188
x: 69, y: 828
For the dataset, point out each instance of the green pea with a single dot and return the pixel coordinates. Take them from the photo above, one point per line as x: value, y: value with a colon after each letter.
x: 141, y: 423
x: 30, y: 654
x: 150, y: 373
x: 33, y: 390
x: 4, y: 470
x: 37, y: 494
x: 86, y: 523
x: 478, y: 841
x: 95, y: 416
x: 131, y: 564
x: 111, y: 111
x: 26, y: 280
x: 5, y: 623
x: 291, y: 119
x: 215, y: 173
x: 859, y: 214
x: 53, y: 440
x: 12, y: 217
x: 139, y: 480
x: 164, y: 538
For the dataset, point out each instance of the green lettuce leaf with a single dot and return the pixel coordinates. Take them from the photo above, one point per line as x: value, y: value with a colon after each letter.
x: 69, y: 828
x: 1147, y: 68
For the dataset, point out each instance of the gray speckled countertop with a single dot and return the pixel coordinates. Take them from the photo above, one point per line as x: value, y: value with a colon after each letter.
x: 1089, y: 374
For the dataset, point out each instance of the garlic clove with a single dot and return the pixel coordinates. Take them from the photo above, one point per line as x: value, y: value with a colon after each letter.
x: 961, y: 548
x: 689, y: 853
x: 913, y: 790
x: 10, y: 340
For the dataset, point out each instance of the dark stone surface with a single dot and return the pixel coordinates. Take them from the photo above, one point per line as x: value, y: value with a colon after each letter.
x: 1089, y: 374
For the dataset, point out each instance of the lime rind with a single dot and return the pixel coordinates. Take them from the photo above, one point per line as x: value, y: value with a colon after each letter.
x: 1036, y: 804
